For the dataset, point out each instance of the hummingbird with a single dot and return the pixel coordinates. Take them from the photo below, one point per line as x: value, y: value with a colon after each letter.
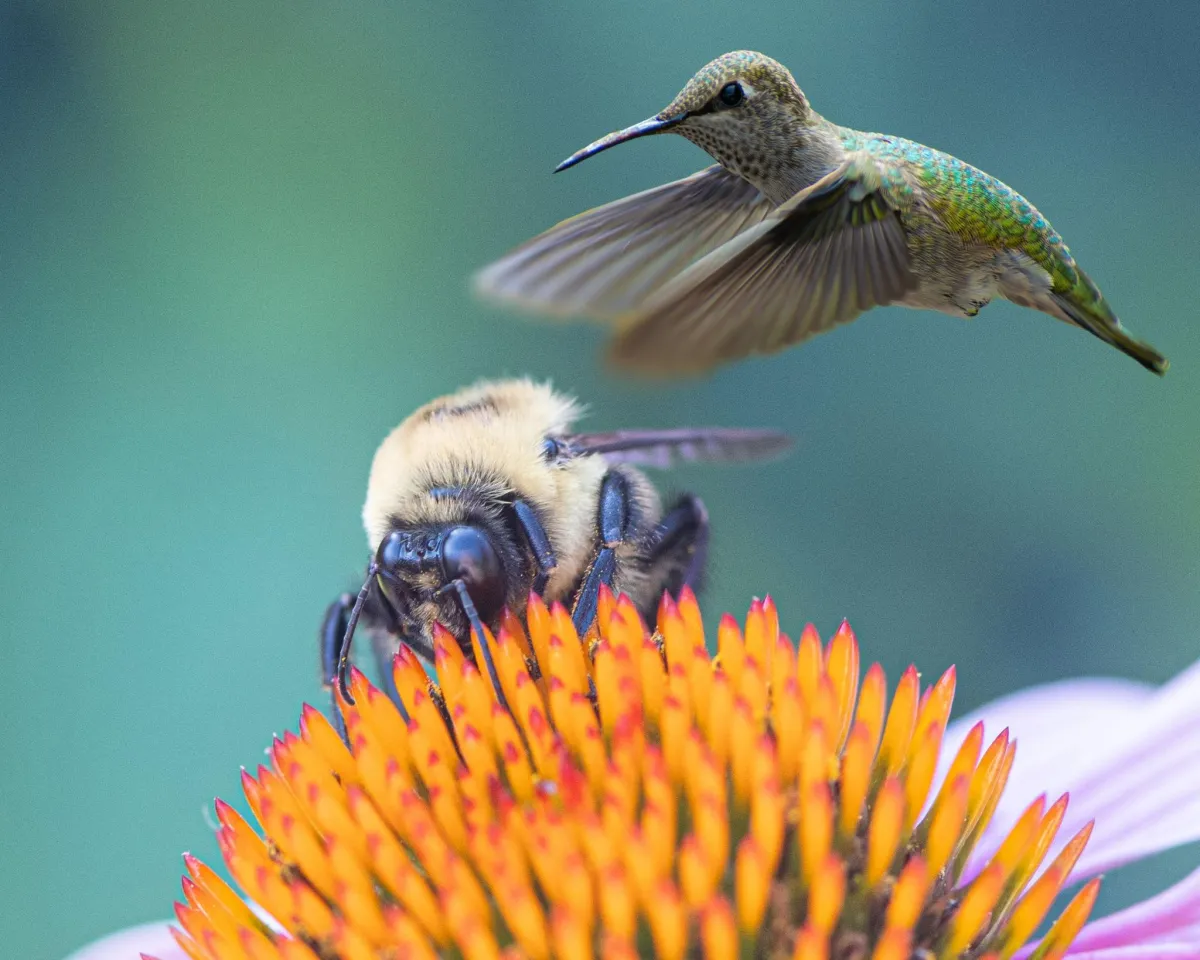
x: 800, y: 225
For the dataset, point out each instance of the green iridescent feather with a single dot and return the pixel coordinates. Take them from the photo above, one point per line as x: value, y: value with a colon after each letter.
x: 975, y: 205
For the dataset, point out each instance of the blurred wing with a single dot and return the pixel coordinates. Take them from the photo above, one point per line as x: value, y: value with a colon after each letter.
x: 610, y: 259
x: 663, y: 448
x: 834, y: 250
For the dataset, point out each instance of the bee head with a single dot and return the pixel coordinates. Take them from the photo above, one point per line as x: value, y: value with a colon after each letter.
x: 452, y: 574
x: 433, y: 562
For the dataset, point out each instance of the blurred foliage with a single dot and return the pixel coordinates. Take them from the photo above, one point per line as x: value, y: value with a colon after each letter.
x: 234, y: 253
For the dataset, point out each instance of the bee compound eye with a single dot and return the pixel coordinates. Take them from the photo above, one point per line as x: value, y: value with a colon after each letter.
x: 731, y: 94
x: 468, y: 555
x: 393, y: 550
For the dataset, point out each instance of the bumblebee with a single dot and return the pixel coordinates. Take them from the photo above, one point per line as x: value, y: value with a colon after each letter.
x: 481, y: 496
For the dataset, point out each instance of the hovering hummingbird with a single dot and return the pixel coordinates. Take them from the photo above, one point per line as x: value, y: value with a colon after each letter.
x: 801, y: 225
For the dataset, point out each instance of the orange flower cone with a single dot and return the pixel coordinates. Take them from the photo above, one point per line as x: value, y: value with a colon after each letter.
x: 631, y: 796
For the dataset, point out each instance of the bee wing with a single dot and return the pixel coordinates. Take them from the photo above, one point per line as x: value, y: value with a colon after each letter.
x: 834, y: 250
x: 663, y: 448
x: 610, y: 259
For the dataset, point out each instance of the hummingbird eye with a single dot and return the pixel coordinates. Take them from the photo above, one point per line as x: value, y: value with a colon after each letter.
x: 731, y: 94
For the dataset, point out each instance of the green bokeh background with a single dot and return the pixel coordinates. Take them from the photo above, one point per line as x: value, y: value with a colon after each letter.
x: 234, y: 244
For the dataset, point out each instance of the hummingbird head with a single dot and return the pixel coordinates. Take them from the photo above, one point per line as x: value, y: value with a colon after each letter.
x: 743, y: 108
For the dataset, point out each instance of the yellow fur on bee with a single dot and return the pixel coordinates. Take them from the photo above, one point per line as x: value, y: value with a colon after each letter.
x: 488, y: 436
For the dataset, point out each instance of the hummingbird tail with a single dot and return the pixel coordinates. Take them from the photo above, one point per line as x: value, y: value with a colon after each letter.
x: 1099, y: 320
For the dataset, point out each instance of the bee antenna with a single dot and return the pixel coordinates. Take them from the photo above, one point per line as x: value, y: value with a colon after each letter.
x: 348, y: 637
x: 477, y: 628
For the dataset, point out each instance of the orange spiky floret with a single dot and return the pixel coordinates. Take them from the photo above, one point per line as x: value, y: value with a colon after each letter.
x: 627, y: 796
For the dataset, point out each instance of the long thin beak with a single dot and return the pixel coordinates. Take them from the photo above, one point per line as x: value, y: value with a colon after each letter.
x: 646, y: 127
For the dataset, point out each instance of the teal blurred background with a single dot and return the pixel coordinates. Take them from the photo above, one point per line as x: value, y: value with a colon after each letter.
x: 234, y: 249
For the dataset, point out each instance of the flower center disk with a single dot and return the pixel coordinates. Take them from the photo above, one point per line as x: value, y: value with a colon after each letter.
x: 632, y: 795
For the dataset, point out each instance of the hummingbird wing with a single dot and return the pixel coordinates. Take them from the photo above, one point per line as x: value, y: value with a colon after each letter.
x: 610, y: 259
x: 834, y: 250
x: 663, y: 448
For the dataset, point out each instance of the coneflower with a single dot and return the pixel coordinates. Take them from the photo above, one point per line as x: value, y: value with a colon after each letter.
x: 633, y: 795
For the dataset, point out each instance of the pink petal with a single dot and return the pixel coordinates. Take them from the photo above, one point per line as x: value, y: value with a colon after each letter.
x: 150, y: 938
x: 1146, y: 796
x: 1172, y: 917
x: 1053, y: 724
x: 1152, y: 951
x: 1129, y: 756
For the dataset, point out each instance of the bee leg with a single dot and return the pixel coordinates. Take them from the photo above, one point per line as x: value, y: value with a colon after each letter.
x: 679, y: 545
x: 333, y: 629
x: 614, y: 523
x: 539, y: 543
x: 383, y: 631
